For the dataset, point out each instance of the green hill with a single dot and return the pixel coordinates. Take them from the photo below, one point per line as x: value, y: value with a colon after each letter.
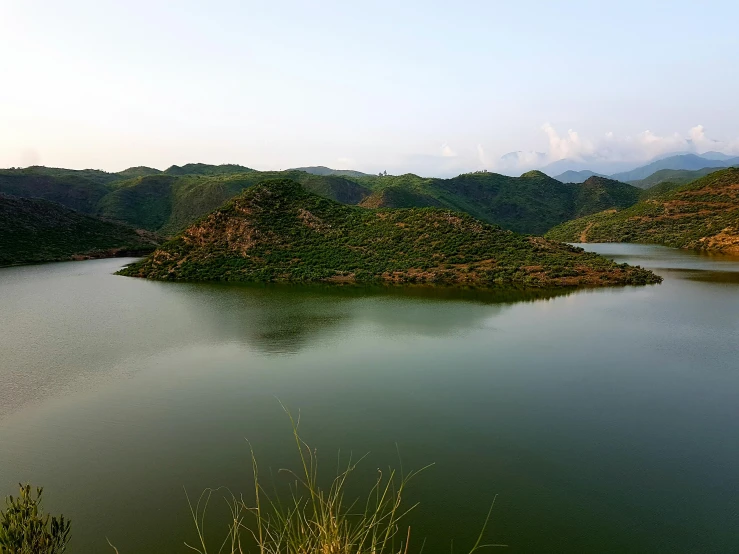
x: 279, y: 231
x: 139, y: 171
x: 207, y: 169
x: 168, y: 201
x: 36, y: 230
x: 532, y: 203
x: 702, y: 215
x: 78, y: 190
x: 675, y: 176
x: 323, y: 170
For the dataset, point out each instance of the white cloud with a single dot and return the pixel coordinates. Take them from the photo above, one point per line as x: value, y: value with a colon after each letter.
x: 481, y: 156
x: 520, y: 161
x: 570, y: 146
x: 611, y: 149
x: 447, y: 152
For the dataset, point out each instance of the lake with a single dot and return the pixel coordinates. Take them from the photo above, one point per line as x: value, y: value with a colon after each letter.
x: 605, y: 420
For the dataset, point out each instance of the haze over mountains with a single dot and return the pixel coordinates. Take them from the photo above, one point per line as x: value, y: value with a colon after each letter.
x: 683, y: 161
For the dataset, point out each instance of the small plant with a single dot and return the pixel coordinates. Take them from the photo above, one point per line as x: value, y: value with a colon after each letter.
x: 314, y: 520
x: 25, y: 529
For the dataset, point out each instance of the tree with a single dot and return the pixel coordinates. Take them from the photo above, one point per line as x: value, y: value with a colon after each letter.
x: 25, y: 529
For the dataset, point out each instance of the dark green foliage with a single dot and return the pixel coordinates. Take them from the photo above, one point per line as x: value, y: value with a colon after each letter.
x: 279, y: 231
x: 25, y: 529
x: 703, y: 214
x: 35, y: 230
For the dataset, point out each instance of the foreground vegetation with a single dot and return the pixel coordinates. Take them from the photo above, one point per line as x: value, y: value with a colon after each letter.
x: 701, y: 215
x: 303, y: 519
x: 310, y: 519
x: 26, y: 529
x: 279, y: 231
x: 35, y: 230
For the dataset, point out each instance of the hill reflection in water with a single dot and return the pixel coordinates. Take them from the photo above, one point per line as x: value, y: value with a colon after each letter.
x: 283, y: 319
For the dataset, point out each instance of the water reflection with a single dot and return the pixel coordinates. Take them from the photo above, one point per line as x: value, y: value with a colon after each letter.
x: 90, y: 325
x: 284, y: 319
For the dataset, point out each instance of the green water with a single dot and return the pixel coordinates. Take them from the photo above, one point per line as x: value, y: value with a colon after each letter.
x: 604, y: 420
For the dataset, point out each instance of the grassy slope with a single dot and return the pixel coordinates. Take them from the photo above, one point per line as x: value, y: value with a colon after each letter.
x: 280, y: 231
x: 703, y: 214
x: 36, y: 230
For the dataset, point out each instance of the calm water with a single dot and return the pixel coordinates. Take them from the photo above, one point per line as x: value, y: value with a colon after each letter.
x: 606, y: 421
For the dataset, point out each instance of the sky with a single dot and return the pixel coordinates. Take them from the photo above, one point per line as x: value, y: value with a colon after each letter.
x: 434, y: 88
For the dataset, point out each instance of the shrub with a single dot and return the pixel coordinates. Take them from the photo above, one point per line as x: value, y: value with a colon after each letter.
x: 25, y: 529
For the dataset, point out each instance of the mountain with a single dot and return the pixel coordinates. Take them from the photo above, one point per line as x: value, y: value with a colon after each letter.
x: 531, y: 203
x: 322, y: 170
x: 685, y: 161
x: 716, y: 156
x: 600, y: 193
x: 279, y: 231
x: 207, y: 169
x: 576, y: 176
x: 36, y: 230
x: 676, y: 176
x: 588, y: 163
x: 139, y: 171
x: 701, y: 215
x: 167, y: 202
x: 79, y: 190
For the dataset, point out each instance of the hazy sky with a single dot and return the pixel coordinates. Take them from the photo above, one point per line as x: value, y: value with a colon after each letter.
x: 430, y: 87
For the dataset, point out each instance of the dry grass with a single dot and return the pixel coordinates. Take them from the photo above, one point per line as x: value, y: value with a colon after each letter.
x: 314, y: 520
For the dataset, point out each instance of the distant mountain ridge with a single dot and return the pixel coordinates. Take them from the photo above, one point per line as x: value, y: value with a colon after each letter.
x: 684, y: 161
x: 323, y: 170
x: 675, y: 176
x: 577, y: 176
x: 639, y: 176
x: 703, y: 214
x: 169, y: 201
